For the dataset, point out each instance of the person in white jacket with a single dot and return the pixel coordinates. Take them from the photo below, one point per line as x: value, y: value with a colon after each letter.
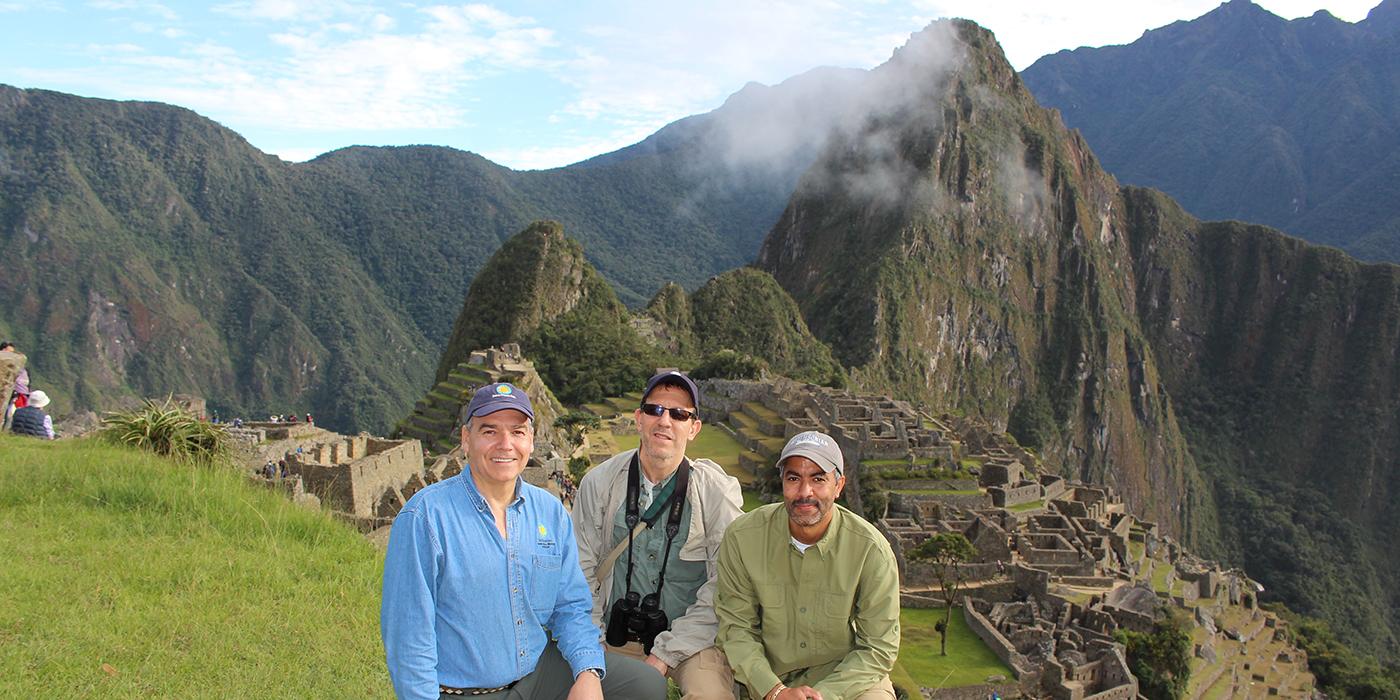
x: 649, y: 523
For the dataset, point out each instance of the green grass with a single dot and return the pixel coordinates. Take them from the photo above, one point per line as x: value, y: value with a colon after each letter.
x: 939, y: 492
x: 1027, y: 506
x: 714, y: 443
x: 1160, y: 570
x: 969, y: 661
x: 751, y: 500
x: 183, y: 580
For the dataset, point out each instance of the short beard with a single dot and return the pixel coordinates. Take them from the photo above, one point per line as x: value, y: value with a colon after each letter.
x: 814, y: 518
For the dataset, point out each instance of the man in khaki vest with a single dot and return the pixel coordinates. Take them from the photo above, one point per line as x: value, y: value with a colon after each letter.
x: 630, y: 517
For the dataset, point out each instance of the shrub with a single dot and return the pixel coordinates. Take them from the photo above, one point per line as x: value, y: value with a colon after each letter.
x: 167, y: 429
x: 728, y: 364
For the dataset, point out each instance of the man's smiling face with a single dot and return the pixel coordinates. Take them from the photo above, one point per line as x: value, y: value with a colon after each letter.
x: 498, y: 445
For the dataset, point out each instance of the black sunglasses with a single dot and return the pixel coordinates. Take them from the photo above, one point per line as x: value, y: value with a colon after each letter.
x: 677, y: 414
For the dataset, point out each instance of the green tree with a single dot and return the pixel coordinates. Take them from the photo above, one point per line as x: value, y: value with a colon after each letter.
x: 575, y: 423
x: 945, y: 551
x: 1161, y: 659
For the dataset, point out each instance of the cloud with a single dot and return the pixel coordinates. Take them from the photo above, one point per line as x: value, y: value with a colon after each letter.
x: 291, y: 10
x: 323, y: 79
x: 545, y: 157
x: 652, y: 63
x: 145, y: 6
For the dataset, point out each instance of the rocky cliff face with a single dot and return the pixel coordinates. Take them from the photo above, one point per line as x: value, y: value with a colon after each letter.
x: 962, y: 248
x: 1280, y: 356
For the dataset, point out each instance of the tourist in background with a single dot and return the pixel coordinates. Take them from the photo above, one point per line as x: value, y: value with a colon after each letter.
x: 31, y: 419
x: 808, y: 598
x: 645, y: 554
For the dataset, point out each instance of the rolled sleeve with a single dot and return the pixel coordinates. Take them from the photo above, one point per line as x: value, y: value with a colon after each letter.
x: 876, y: 622
x: 572, y: 619
x: 407, y: 615
x: 736, y: 607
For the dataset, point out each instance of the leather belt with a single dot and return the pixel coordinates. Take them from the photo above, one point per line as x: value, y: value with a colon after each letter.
x: 445, y: 690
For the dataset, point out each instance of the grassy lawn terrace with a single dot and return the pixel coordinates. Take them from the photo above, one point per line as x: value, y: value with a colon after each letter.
x: 714, y: 443
x: 939, y: 492
x: 601, y: 410
x: 1160, y: 570
x: 969, y: 661
x: 758, y: 410
x: 1033, y: 505
x: 751, y: 500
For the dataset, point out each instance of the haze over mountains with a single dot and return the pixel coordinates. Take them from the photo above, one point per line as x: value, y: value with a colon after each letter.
x: 951, y: 240
x: 1240, y: 114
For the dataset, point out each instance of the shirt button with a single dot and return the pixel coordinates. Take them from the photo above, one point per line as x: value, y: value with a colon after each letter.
x: 522, y: 651
x: 804, y: 646
x: 804, y: 610
x: 517, y: 622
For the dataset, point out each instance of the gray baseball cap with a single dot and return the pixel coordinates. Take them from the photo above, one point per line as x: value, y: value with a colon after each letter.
x: 818, y: 447
x: 499, y: 397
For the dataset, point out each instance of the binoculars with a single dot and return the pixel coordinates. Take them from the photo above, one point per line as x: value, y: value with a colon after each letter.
x: 636, y: 619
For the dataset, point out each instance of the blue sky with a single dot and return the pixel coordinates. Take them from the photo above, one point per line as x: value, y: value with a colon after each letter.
x: 528, y: 84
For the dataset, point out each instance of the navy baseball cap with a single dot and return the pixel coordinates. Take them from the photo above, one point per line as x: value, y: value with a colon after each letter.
x: 499, y: 397
x: 674, y: 378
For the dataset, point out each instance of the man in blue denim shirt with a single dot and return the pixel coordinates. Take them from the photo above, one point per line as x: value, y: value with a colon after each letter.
x: 479, y: 565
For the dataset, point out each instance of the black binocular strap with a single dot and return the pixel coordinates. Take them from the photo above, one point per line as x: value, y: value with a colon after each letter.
x: 632, y: 516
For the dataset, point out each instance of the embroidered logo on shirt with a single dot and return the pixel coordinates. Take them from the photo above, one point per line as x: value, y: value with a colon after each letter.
x: 543, y: 532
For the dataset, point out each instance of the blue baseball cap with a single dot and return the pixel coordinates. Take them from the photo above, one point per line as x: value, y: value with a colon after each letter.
x: 674, y: 378
x: 499, y: 397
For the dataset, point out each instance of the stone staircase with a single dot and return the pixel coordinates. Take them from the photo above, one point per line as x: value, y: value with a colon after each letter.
x: 760, y: 431
x: 434, y: 416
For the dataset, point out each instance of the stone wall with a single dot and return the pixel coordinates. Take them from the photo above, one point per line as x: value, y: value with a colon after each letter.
x: 974, y: 692
x: 358, y: 488
x: 1008, y: 496
x: 994, y: 640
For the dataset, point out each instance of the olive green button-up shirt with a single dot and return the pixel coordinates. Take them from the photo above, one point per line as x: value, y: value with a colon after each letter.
x: 828, y: 618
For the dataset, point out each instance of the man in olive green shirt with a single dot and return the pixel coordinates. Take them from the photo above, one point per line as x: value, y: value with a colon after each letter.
x: 808, y: 599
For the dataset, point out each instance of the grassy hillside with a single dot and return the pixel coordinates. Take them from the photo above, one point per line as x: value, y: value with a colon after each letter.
x: 129, y: 576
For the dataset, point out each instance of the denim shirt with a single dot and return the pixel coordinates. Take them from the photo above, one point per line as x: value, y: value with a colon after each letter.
x: 465, y: 608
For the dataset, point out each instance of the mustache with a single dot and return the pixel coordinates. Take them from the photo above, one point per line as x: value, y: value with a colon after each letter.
x: 807, y: 502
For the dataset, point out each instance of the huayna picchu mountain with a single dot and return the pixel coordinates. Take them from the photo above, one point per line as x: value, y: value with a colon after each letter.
x: 962, y: 248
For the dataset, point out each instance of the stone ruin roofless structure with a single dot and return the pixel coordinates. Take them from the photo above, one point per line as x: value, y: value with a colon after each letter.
x: 1061, y: 565
x: 366, y: 480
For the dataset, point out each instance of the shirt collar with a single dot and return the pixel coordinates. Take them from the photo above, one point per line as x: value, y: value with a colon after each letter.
x: 828, y: 538
x: 479, y: 500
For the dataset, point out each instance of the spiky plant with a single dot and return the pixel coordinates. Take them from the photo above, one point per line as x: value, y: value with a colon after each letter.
x: 167, y: 428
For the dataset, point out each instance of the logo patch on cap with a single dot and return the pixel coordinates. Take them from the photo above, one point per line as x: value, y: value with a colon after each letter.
x: 811, y: 439
x: 503, y: 389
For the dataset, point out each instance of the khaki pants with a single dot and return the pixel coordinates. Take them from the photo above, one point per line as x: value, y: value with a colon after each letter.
x: 704, y: 676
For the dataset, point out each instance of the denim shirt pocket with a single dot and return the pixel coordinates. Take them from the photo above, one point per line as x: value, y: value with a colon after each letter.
x: 546, y: 573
